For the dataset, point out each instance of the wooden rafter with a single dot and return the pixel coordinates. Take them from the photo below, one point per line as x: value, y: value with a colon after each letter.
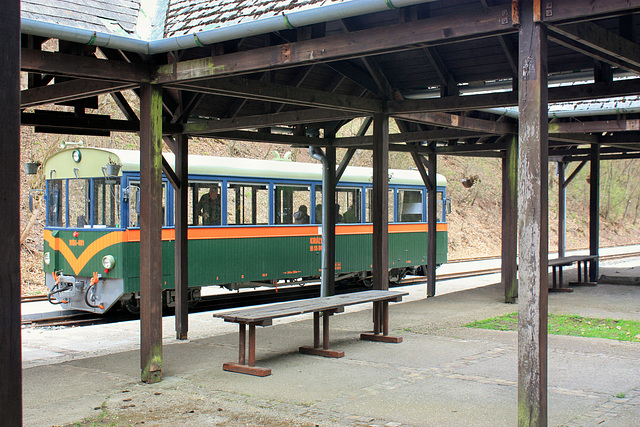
x: 124, y: 106
x: 267, y: 120
x: 449, y: 86
x: 65, y: 120
x: 258, y: 90
x: 69, y: 91
x: 459, y: 122
x: 510, y: 99
x: 56, y: 63
x: 597, y: 42
x: 597, y: 126
x: 354, y: 74
x: 568, y: 10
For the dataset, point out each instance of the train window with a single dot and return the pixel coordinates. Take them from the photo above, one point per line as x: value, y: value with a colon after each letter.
x: 57, y: 203
x: 134, y: 204
x: 247, y: 204
x: 204, y: 203
x: 370, y: 201
x: 440, y: 206
x: 291, y: 204
x: 79, y: 203
x: 318, y: 207
x: 349, y: 205
x: 409, y: 205
x: 106, y: 202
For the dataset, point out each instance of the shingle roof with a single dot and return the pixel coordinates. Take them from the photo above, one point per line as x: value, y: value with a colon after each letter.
x: 189, y: 16
x: 108, y: 16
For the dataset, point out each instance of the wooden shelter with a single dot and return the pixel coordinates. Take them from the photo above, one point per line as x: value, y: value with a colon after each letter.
x: 241, y: 70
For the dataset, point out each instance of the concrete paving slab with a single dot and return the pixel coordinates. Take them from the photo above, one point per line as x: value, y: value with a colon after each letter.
x: 442, y: 374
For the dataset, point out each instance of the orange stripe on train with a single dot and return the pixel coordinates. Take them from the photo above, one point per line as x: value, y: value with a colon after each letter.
x: 110, y: 239
x: 78, y: 263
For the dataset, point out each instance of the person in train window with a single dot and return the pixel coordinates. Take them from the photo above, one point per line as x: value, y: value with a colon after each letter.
x: 301, y: 216
x: 209, y: 207
x: 350, y: 215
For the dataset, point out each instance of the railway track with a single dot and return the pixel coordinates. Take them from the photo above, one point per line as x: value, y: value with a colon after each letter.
x: 217, y: 302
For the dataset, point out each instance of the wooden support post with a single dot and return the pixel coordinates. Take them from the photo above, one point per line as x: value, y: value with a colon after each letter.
x: 151, y: 232
x: 594, y: 211
x: 181, y: 242
x: 329, y: 243
x: 532, y: 220
x: 10, y: 343
x: 509, y: 266
x: 432, y: 219
x: 562, y: 212
x: 380, y: 202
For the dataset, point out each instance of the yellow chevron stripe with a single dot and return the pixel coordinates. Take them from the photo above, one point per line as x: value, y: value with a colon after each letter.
x: 77, y: 264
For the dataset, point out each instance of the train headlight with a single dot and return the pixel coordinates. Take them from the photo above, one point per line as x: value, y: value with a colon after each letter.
x: 47, y: 258
x: 108, y: 262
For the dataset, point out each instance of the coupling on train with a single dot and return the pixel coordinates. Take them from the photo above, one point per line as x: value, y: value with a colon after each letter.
x: 251, y: 223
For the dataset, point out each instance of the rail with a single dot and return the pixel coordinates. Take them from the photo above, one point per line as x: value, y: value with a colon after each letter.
x: 250, y: 298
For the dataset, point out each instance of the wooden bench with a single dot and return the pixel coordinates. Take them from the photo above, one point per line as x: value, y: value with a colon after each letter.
x: 263, y: 316
x: 560, y: 263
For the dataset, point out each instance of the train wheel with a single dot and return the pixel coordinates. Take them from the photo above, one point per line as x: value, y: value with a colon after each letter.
x: 367, y: 282
x: 396, y: 275
x: 132, y: 305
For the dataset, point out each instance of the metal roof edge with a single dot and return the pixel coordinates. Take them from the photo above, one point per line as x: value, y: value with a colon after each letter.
x: 215, y: 35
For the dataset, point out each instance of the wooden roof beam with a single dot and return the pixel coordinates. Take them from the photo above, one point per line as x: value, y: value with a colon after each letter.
x: 599, y: 43
x: 510, y: 99
x: 69, y: 91
x: 274, y: 138
x: 571, y: 10
x: 88, y: 122
x: 598, y: 126
x: 263, y: 91
x: 392, y: 38
x: 620, y: 138
x: 63, y: 64
x: 459, y: 122
x: 406, y: 137
x: 267, y: 120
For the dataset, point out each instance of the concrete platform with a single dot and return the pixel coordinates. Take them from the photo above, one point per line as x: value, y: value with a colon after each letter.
x: 442, y: 374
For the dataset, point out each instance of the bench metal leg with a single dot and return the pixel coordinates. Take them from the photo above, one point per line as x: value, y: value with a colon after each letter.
x: 241, y: 367
x: 381, y: 323
x: 317, y: 350
x: 557, y: 284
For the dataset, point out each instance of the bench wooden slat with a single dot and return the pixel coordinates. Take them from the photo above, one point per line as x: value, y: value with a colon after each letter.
x: 292, y: 308
x: 564, y: 261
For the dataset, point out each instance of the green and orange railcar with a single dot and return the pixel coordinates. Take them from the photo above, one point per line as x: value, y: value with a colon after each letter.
x: 92, y: 235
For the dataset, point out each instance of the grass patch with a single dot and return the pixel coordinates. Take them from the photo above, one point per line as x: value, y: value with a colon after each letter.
x: 560, y: 324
